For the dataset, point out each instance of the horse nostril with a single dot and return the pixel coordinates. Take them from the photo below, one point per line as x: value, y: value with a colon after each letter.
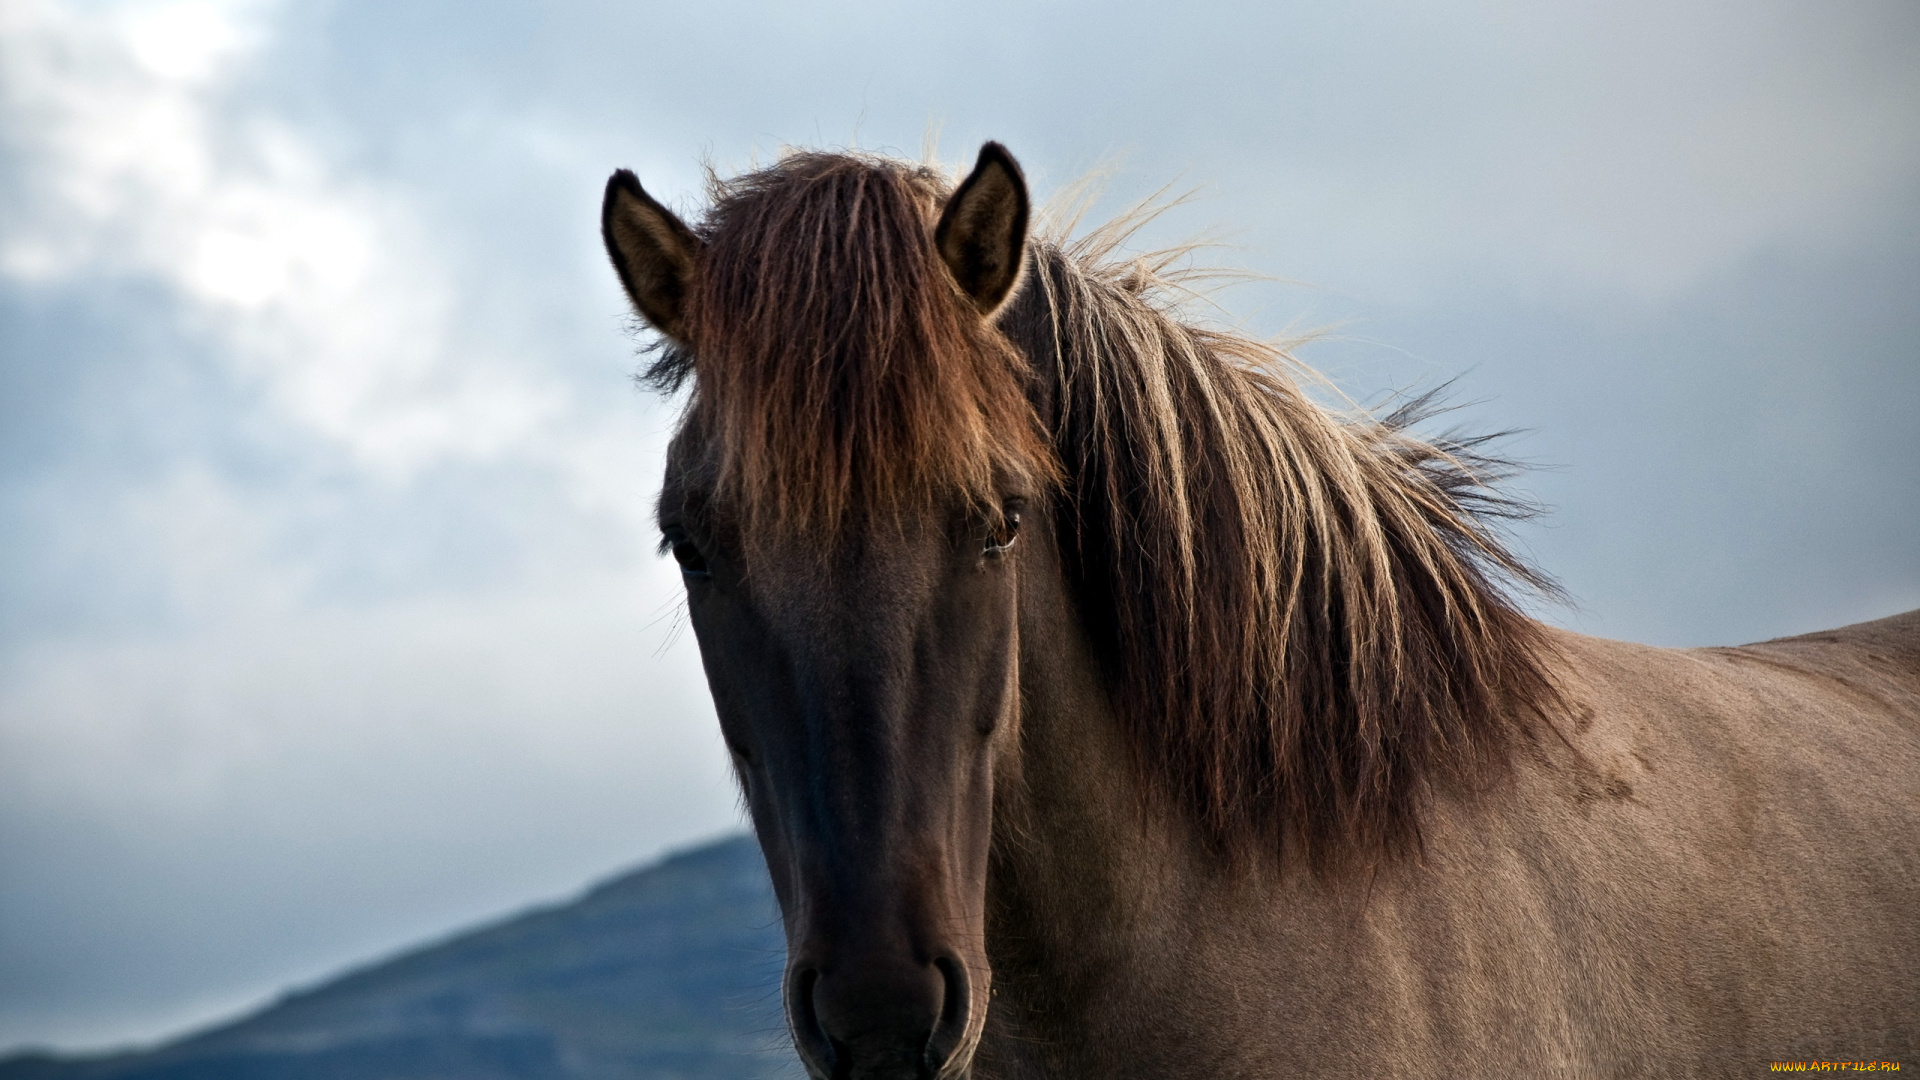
x: 808, y: 1036
x: 873, y: 1015
x: 956, y: 1014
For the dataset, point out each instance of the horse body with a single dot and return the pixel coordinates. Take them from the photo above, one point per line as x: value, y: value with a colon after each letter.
x: 1106, y: 708
x: 1716, y: 869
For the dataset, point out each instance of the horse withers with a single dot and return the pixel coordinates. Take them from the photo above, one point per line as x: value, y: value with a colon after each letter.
x: 1106, y: 707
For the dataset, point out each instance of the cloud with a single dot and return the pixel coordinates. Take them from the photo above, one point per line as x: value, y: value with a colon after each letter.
x: 372, y: 637
x: 143, y: 158
x: 1635, y: 150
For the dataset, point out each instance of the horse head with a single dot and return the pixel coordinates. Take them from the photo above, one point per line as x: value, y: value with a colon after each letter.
x: 846, y: 499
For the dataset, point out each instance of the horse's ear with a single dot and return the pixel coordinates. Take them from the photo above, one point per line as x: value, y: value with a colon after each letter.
x: 982, y: 235
x: 652, y: 251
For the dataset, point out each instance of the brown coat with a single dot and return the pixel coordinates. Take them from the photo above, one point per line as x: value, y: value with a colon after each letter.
x: 1718, y: 868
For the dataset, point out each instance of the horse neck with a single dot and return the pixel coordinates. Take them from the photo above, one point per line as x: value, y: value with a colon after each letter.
x: 1092, y: 891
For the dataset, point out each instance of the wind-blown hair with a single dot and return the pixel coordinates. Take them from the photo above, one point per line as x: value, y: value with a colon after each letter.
x: 839, y: 372
x: 1304, y: 616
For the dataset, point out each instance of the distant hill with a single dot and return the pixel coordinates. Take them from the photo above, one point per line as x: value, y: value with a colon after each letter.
x: 669, y: 972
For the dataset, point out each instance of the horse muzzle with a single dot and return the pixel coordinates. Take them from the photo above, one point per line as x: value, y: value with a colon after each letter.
x: 866, y: 1017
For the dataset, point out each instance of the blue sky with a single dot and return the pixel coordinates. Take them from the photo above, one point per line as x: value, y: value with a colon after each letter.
x: 328, y: 610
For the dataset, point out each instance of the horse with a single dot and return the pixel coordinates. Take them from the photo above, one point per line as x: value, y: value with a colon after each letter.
x: 1107, y: 706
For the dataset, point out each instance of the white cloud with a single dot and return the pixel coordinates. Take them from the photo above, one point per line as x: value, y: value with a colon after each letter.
x: 143, y: 158
x: 185, y: 42
x: 242, y: 744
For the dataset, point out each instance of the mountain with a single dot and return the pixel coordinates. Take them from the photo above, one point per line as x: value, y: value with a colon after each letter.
x: 670, y: 972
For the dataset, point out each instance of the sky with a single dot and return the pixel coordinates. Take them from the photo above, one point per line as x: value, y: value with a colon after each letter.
x: 329, y: 613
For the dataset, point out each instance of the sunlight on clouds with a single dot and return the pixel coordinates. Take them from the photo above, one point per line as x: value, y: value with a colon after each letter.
x: 146, y: 161
x: 185, y: 42
x: 284, y: 706
x: 261, y: 247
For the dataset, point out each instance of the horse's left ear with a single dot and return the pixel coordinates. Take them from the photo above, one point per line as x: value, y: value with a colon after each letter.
x: 982, y: 235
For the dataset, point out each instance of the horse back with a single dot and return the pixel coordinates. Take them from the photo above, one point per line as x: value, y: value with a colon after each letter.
x: 1748, y: 823
x: 1878, y: 659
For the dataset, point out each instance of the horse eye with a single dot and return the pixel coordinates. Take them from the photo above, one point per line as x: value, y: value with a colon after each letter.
x: 1003, y: 537
x: 693, y: 565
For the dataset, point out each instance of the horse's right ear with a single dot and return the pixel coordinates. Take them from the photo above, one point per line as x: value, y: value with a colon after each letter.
x: 653, y: 252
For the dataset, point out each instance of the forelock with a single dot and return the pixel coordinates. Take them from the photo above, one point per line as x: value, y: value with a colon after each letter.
x: 838, y: 371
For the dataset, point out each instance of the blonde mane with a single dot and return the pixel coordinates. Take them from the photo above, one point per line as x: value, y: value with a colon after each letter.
x: 1306, y: 616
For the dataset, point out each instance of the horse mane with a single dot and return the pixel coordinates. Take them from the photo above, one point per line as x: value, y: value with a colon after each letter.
x: 1307, y: 619
x: 838, y: 370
